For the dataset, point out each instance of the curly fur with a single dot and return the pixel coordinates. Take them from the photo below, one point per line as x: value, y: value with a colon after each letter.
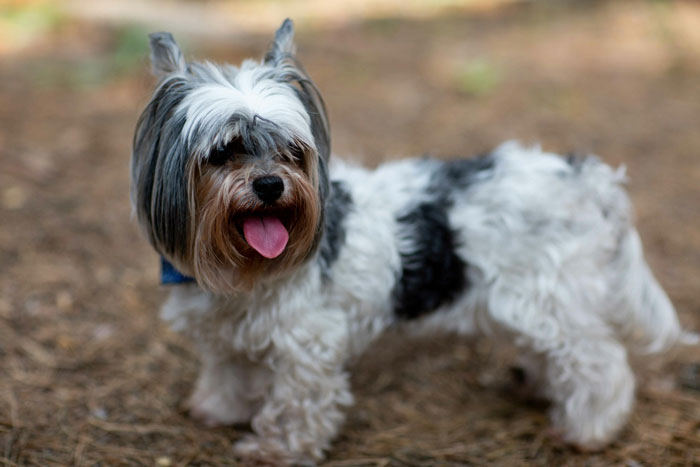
x: 519, y: 244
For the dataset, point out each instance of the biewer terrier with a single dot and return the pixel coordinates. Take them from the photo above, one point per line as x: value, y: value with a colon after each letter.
x: 297, y: 266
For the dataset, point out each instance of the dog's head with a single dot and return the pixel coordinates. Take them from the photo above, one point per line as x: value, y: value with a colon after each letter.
x: 229, y: 165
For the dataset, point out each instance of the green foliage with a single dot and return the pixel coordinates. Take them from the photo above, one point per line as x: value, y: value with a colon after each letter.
x: 31, y: 19
x: 130, y: 48
x: 127, y: 53
x: 477, y: 78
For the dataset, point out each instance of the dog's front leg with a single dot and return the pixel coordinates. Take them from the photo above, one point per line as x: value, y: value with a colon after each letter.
x: 227, y: 391
x: 303, y: 409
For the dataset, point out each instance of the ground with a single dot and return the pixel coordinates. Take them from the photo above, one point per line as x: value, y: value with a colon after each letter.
x: 90, y: 376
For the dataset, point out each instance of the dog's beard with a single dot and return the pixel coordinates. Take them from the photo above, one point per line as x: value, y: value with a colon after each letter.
x: 237, y: 239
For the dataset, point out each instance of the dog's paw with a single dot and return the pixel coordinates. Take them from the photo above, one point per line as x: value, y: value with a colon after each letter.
x: 205, y: 417
x: 558, y: 436
x: 585, y: 447
x: 212, y: 409
x: 257, y: 450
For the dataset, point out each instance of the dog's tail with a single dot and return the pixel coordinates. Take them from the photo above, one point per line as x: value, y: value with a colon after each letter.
x: 645, y: 314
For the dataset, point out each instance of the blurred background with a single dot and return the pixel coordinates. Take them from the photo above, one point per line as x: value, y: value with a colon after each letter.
x: 89, y: 375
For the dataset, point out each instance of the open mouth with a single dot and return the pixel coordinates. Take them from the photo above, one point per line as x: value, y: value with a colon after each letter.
x: 266, y: 232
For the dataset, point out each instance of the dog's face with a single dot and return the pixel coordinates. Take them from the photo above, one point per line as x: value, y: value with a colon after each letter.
x: 229, y: 166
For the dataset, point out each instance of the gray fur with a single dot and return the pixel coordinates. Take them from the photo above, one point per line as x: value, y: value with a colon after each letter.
x: 258, y: 136
x: 337, y: 208
x: 283, y: 45
x: 166, y: 56
x: 163, y: 151
x: 281, y: 56
x: 159, y: 188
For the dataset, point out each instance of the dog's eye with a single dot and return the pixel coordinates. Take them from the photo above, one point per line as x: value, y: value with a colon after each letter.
x: 221, y: 155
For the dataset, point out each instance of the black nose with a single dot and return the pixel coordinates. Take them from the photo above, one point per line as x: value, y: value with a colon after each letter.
x: 268, y: 188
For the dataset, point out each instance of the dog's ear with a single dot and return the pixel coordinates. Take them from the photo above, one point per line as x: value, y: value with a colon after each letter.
x: 166, y: 56
x: 283, y: 45
x: 288, y: 69
x: 160, y: 171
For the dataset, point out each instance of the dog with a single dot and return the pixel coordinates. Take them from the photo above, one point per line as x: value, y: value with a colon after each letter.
x: 288, y: 266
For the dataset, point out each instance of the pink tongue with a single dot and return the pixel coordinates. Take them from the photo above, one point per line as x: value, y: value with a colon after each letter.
x: 266, y: 235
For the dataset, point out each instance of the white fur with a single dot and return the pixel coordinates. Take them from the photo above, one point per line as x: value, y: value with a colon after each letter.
x: 248, y: 91
x: 554, y: 265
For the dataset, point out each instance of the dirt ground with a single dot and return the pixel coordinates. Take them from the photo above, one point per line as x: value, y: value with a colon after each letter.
x: 90, y: 376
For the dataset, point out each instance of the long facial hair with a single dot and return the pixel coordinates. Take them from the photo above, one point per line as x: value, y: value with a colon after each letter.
x: 189, y: 208
x: 221, y: 258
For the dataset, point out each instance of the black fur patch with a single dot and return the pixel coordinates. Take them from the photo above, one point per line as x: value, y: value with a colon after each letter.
x: 338, y: 205
x: 575, y: 160
x: 432, y: 273
x: 455, y: 175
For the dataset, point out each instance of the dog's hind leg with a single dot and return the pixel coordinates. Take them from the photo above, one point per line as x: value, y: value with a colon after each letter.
x: 591, y: 387
x: 585, y: 370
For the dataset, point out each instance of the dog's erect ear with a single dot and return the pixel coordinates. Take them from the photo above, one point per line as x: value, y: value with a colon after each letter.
x: 283, y: 46
x: 289, y: 70
x: 166, y: 56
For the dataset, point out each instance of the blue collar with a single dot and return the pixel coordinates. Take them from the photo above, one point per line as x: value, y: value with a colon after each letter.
x: 169, y: 275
